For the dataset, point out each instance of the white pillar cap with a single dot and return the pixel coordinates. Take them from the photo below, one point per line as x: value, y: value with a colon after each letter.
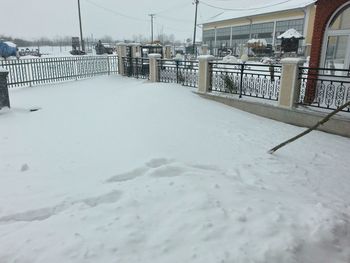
x: 154, y: 55
x: 206, y: 58
x: 292, y: 61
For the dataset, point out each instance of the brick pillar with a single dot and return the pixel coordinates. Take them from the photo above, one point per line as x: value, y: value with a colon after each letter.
x: 290, y: 83
x: 4, y: 93
x: 121, y: 50
x: 153, y: 67
x: 204, y: 73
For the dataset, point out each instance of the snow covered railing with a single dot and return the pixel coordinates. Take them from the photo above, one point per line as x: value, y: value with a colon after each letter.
x: 327, y: 88
x: 29, y: 72
x: 253, y: 80
x: 184, y: 72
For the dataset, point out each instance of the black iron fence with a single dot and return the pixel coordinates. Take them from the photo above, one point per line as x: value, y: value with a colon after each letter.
x: 324, y: 88
x: 182, y: 72
x: 28, y: 72
x: 253, y: 80
x: 136, y: 67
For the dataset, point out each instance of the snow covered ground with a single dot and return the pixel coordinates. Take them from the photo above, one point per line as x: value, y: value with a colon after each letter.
x: 121, y: 170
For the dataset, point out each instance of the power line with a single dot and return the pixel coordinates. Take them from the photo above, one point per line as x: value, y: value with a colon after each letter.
x: 172, y: 28
x: 172, y: 8
x: 244, y: 9
x: 115, y: 12
x: 138, y: 19
x: 175, y: 19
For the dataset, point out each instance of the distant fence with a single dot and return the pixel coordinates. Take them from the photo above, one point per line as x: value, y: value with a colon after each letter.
x: 182, y: 72
x: 331, y: 86
x: 29, y: 72
x: 253, y: 80
x: 136, y: 67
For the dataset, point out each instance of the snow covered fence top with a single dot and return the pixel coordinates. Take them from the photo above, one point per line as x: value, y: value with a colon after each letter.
x: 206, y: 57
x: 291, y: 33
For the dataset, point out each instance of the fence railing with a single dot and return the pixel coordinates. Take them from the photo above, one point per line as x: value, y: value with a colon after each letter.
x: 136, y: 67
x: 28, y: 72
x: 253, y: 80
x: 182, y: 72
x: 330, y: 87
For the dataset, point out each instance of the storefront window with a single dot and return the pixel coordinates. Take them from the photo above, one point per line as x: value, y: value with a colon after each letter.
x: 342, y: 20
x: 336, y: 52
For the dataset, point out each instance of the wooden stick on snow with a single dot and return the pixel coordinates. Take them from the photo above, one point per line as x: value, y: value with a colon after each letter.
x: 323, y: 121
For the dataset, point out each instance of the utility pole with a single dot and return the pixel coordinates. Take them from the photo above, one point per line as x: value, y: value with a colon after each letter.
x: 81, y: 29
x: 196, y: 2
x: 152, y: 17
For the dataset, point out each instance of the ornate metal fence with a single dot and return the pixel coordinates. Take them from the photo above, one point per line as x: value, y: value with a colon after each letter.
x: 253, y: 80
x: 331, y: 87
x: 136, y: 67
x: 182, y: 72
x: 28, y: 72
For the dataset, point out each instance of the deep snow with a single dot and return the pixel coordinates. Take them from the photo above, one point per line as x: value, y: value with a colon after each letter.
x: 121, y: 170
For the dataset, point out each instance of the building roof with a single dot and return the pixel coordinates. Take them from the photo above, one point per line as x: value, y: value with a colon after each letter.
x: 290, y: 34
x: 251, y: 9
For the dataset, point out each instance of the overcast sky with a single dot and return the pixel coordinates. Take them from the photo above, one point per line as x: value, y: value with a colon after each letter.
x: 120, y: 19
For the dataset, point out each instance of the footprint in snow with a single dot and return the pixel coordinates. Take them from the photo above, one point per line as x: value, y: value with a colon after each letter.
x: 45, y: 213
x: 161, y: 168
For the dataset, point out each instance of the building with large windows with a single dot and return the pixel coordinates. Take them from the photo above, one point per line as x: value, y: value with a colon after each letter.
x: 331, y: 37
x: 331, y: 44
x: 233, y: 30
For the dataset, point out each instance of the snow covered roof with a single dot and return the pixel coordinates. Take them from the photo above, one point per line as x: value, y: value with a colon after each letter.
x: 10, y: 44
x: 290, y: 33
x: 251, y: 8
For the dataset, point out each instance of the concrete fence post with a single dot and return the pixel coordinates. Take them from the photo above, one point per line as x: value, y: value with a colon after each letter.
x: 121, y: 50
x: 167, y: 52
x: 205, y: 50
x: 204, y: 73
x: 153, y: 67
x: 290, y: 83
x: 136, y: 50
x: 4, y: 93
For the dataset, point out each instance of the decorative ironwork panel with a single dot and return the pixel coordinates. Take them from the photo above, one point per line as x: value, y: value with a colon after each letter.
x: 330, y: 88
x: 182, y: 72
x: 253, y: 80
x: 136, y: 67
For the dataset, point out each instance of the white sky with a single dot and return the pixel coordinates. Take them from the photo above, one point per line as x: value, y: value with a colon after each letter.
x: 36, y: 18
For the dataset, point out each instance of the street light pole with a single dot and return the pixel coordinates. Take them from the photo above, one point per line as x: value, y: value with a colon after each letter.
x: 81, y: 29
x: 195, y: 28
x: 152, y: 16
